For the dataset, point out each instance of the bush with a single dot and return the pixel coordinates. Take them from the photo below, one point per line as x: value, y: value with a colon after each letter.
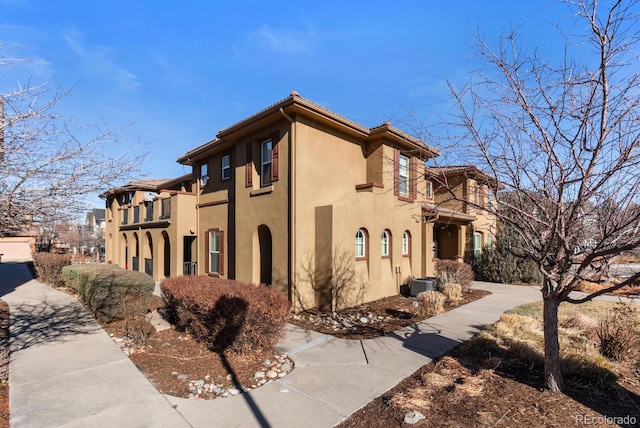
x: 455, y: 272
x: 453, y: 292
x: 617, y: 331
x: 110, y: 292
x: 49, y: 266
x: 431, y: 302
x: 225, y: 314
x: 499, y: 265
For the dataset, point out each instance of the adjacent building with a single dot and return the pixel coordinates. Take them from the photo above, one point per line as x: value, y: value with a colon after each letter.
x: 298, y: 197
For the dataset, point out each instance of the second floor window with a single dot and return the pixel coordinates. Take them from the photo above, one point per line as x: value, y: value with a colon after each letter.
x: 403, y: 175
x: 266, y: 151
x: 165, y: 208
x: 361, y: 244
x: 125, y: 216
x: 429, y: 190
x: 204, y: 174
x: 226, y: 167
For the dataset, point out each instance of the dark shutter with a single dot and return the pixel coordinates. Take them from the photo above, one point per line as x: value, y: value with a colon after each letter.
x: 206, y: 252
x: 413, y: 176
x: 221, y: 255
x: 396, y: 172
x: 275, y: 161
x: 248, y: 167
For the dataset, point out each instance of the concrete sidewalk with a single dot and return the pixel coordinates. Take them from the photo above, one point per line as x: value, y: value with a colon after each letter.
x: 66, y: 371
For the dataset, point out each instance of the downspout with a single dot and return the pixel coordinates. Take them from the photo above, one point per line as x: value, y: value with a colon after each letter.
x: 291, y: 208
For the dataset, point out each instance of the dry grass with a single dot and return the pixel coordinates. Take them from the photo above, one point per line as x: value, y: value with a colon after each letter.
x: 431, y: 302
x: 452, y: 291
x: 520, y: 331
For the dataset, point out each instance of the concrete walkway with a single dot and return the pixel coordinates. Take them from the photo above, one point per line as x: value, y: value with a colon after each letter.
x: 66, y: 371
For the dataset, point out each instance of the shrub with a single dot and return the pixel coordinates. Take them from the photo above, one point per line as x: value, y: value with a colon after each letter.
x: 226, y: 314
x: 617, y: 331
x: 455, y: 272
x: 431, y: 302
x: 453, y: 292
x: 138, y: 329
x: 110, y: 292
x: 500, y: 265
x: 49, y: 266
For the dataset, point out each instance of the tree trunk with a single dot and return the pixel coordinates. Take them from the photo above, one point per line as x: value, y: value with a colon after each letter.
x: 552, y: 374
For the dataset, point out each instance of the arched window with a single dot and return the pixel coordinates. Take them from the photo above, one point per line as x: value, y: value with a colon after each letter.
x: 406, y: 243
x: 361, y: 244
x: 385, y: 243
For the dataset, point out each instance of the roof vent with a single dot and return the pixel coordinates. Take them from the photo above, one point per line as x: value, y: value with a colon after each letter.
x: 294, y: 94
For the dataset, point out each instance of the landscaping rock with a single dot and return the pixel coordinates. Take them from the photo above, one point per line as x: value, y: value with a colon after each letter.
x: 413, y: 417
x: 157, y: 321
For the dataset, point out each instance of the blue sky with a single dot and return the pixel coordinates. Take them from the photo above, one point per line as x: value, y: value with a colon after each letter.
x: 184, y: 70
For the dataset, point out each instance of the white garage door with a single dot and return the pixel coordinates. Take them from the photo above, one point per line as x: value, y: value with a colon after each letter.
x: 15, y: 251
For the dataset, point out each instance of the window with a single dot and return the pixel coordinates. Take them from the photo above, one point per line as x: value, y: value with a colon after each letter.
x: 490, y: 242
x: 214, y: 251
x: 385, y: 241
x: 361, y: 242
x: 166, y: 208
x: 148, y: 216
x: 406, y: 243
x: 266, y: 149
x: 204, y: 174
x: 403, y: 175
x: 226, y: 167
x: 136, y: 214
x: 477, y: 243
x: 489, y: 199
x: 125, y: 216
x: 429, y: 190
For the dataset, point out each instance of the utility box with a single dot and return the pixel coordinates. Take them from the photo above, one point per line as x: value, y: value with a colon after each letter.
x: 418, y: 285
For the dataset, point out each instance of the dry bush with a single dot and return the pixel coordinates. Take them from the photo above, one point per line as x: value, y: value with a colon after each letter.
x: 618, y: 331
x: 592, y: 287
x: 138, y: 329
x: 431, y: 302
x: 455, y: 272
x: 579, y: 322
x: 452, y: 291
x: 49, y: 266
x: 226, y: 314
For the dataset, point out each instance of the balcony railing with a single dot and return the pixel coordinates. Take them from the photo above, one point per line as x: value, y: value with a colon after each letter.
x: 189, y: 268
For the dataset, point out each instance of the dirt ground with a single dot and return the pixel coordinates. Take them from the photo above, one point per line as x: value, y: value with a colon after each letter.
x: 4, y: 364
x: 173, y: 360
x: 478, y: 385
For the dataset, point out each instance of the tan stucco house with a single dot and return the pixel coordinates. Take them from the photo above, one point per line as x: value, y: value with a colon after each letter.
x: 298, y: 197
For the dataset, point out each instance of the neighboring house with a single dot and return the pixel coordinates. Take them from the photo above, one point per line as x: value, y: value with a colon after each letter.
x: 295, y: 196
x: 460, y: 222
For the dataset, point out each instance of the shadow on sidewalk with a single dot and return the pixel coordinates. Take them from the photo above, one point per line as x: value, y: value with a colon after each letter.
x: 44, y: 322
x: 12, y: 276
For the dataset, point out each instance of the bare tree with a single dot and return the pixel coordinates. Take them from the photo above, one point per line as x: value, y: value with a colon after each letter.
x: 563, y: 142
x: 48, y: 163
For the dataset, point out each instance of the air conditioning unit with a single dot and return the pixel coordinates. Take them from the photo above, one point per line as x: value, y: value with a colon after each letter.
x: 418, y: 285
